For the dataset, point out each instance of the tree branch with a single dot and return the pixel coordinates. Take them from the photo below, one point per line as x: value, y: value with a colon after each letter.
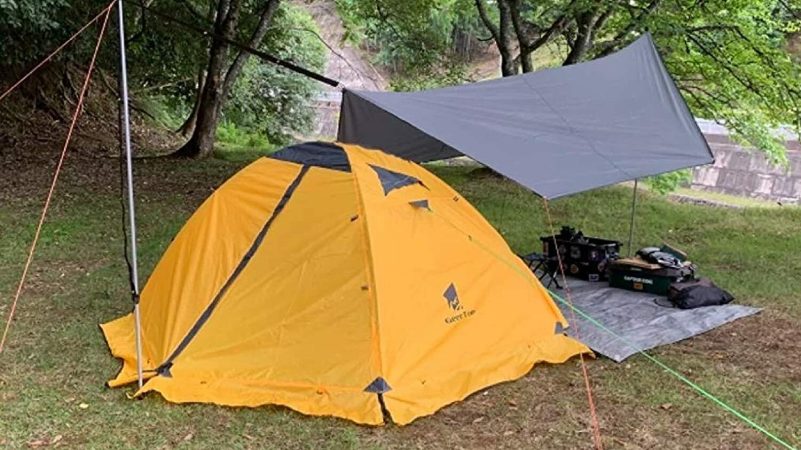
x: 255, y: 40
x: 613, y: 44
x: 193, y: 11
x: 485, y: 19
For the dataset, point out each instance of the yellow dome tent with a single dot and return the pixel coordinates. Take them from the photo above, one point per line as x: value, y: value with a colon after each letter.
x: 338, y: 281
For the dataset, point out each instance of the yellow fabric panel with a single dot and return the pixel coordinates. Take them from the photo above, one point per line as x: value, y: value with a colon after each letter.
x: 421, y: 399
x: 295, y: 327
x: 119, y: 334
x: 504, y: 321
x: 325, y: 401
x: 205, y: 252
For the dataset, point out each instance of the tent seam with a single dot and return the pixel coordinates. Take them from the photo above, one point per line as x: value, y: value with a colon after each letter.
x: 567, y: 123
x: 243, y: 263
x: 368, y: 261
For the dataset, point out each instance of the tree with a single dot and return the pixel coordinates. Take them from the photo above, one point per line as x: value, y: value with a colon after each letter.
x: 220, y: 74
x: 174, y: 72
x: 272, y: 101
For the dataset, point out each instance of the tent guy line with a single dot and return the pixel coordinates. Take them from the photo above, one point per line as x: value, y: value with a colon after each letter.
x: 678, y: 375
x: 595, y: 424
x: 669, y: 370
x: 56, y: 51
x: 75, y: 116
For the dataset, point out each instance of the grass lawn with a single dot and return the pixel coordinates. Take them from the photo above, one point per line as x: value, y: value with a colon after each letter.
x: 53, y: 372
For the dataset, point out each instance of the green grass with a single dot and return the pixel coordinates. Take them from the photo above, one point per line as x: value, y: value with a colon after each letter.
x: 733, y: 200
x: 57, y: 360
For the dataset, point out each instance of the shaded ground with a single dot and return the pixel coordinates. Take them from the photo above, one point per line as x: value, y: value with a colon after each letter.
x: 52, y: 374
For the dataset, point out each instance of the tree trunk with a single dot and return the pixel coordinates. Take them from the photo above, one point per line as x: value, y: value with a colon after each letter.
x: 188, y: 127
x: 523, y: 40
x: 587, y: 24
x: 501, y: 34
x: 509, y: 63
x: 219, y: 80
x: 201, y: 143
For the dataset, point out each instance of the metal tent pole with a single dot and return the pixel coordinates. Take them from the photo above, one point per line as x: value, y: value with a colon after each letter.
x: 633, y: 208
x: 126, y: 127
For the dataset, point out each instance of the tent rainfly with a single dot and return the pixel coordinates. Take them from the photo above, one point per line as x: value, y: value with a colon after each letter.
x: 557, y: 131
x: 338, y: 281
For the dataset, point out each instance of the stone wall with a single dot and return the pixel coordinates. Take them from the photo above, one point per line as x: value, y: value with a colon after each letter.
x: 739, y: 171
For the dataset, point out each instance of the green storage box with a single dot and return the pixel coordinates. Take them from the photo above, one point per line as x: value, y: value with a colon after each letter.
x: 636, y: 275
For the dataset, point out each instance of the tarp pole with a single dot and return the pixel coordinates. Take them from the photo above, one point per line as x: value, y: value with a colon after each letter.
x: 633, y: 208
x: 126, y: 128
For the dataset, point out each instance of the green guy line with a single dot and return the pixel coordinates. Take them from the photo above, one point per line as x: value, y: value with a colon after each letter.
x: 659, y: 363
x: 678, y: 375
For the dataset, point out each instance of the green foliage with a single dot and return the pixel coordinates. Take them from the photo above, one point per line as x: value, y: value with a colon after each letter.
x: 165, y: 111
x: 165, y: 60
x: 414, y: 38
x: 163, y: 57
x: 235, y: 143
x: 730, y: 60
x: 669, y: 182
x: 19, y: 13
x: 423, y: 78
x: 266, y: 100
x: 30, y: 28
x: 273, y: 101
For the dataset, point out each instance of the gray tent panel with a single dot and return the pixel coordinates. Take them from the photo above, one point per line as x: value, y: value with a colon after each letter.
x: 556, y: 131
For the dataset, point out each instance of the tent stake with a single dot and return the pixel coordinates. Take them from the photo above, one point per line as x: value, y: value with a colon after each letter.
x: 633, y: 208
x: 126, y: 127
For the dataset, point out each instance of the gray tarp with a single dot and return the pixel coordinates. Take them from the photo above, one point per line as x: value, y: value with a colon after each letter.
x: 637, y: 319
x: 556, y: 131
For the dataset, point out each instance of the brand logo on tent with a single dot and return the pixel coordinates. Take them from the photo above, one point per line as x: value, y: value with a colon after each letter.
x: 452, y: 298
x: 453, y: 303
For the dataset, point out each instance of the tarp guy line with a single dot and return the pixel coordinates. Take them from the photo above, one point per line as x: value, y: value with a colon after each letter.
x: 596, y: 428
x: 78, y: 109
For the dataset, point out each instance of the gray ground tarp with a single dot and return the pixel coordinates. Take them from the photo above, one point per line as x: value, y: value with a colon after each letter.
x: 556, y: 131
x: 635, y: 317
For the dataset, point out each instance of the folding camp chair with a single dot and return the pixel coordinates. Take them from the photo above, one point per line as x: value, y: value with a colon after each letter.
x: 543, y: 266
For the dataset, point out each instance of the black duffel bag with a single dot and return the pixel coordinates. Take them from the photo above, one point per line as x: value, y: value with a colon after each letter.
x: 697, y: 293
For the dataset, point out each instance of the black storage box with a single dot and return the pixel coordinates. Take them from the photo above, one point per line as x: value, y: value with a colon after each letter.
x: 583, y: 256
